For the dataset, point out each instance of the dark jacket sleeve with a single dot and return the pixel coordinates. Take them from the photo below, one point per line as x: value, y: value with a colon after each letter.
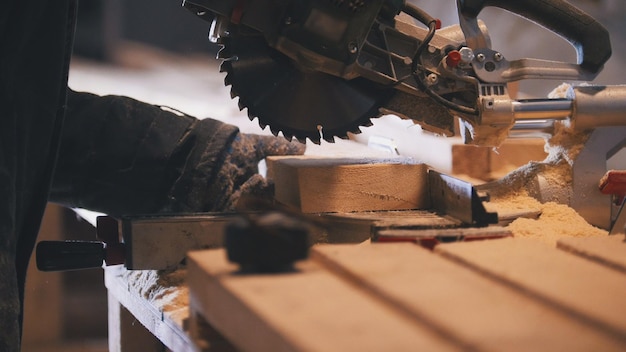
x: 121, y: 156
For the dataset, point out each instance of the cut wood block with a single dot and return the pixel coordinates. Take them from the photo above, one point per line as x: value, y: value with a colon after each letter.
x: 465, y: 307
x: 346, y: 185
x: 607, y: 250
x: 360, y: 226
x: 309, y: 309
x: 471, y: 161
x: 589, y: 292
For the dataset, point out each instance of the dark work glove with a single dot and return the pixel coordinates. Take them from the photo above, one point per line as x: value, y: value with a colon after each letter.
x: 239, y: 175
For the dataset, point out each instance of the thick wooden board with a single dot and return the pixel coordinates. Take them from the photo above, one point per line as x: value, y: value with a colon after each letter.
x: 309, y: 309
x: 460, y: 304
x: 486, y: 163
x: 345, y: 185
x: 585, y: 290
x: 609, y: 251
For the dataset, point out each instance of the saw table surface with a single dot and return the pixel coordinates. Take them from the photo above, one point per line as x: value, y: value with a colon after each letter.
x: 505, y: 294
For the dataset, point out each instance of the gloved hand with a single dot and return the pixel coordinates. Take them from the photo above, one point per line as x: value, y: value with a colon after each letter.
x: 239, y: 175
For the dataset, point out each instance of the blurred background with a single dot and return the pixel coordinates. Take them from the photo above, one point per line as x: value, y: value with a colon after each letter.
x: 158, y: 52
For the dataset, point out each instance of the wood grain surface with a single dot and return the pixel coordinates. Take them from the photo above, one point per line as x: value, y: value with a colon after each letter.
x: 325, y: 185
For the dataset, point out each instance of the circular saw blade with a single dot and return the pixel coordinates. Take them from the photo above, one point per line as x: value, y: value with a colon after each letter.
x: 297, y: 102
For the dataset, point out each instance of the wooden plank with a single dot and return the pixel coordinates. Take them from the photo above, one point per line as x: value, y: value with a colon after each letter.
x: 360, y: 226
x: 125, y: 335
x: 309, y: 309
x: 463, y: 306
x: 471, y: 160
x: 486, y: 163
x: 589, y: 292
x: 345, y: 185
x: 166, y: 327
x: 513, y: 153
x: 609, y: 251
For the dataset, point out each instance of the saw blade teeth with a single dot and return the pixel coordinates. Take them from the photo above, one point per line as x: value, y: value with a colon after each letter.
x: 355, y: 130
x: 347, y: 135
x: 274, y: 130
x: 260, y: 81
x: 221, y: 55
x: 224, y: 53
x: 226, y: 66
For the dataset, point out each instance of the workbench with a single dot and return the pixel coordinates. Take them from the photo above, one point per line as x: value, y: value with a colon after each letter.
x: 504, y: 294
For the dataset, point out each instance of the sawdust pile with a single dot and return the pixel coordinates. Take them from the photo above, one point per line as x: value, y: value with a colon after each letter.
x: 556, y: 220
x: 165, y: 289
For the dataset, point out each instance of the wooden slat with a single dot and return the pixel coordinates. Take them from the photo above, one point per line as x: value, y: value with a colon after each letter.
x: 609, y: 251
x: 345, y: 185
x: 125, y: 334
x: 309, y: 309
x: 167, y: 326
x: 360, y: 226
x: 589, y: 292
x: 466, y: 307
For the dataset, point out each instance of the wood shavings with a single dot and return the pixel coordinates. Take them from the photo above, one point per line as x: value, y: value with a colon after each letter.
x: 556, y: 220
x: 545, y: 186
x: 550, y: 179
x: 165, y: 289
x: 514, y: 203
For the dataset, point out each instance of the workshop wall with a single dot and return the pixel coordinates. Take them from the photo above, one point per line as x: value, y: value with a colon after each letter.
x: 104, y: 25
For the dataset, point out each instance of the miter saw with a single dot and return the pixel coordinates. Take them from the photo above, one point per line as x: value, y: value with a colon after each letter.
x: 322, y: 68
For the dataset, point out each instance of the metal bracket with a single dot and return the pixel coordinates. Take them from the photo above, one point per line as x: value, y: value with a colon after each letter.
x: 459, y: 199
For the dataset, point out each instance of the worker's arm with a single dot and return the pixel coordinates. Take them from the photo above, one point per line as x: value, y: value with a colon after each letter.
x: 121, y: 156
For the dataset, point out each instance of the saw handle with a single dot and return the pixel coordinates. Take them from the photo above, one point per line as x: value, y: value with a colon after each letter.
x: 69, y: 255
x: 590, y: 39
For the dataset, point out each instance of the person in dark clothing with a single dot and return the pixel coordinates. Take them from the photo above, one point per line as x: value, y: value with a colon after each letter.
x: 111, y: 154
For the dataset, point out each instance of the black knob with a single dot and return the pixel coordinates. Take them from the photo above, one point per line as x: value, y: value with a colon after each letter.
x: 269, y: 242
